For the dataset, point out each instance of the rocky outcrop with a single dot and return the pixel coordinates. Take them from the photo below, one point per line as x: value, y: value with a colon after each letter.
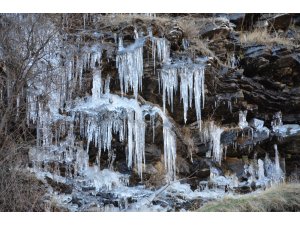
x: 249, y: 105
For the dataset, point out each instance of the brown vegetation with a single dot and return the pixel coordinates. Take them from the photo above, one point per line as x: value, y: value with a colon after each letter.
x: 19, y: 192
x: 281, y: 198
x: 262, y: 36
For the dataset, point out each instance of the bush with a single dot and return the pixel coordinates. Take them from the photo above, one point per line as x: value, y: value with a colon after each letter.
x: 18, y: 191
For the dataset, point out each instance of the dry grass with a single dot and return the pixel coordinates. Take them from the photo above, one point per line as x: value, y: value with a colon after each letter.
x: 118, y: 18
x: 282, y: 198
x: 202, y: 46
x: 261, y: 36
x: 19, y: 192
x: 189, y: 28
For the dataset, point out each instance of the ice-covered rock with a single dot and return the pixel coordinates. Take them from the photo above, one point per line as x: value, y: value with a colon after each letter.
x: 256, y: 123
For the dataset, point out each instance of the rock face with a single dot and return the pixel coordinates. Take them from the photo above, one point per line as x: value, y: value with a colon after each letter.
x: 209, y: 120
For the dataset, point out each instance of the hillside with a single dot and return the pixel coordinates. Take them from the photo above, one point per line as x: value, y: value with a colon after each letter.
x: 146, y: 112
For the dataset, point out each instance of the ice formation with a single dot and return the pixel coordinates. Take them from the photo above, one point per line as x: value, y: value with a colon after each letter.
x: 98, y: 118
x: 277, y: 120
x: 191, y: 82
x: 272, y: 169
x: 160, y: 49
x: 261, y: 170
x: 96, y: 90
x: 278, y: 170
x: 67, y: 127
x: 257, y: 124
x: 211, y: 133
x: 191, y: 78
x: 233, y: 61
x: 281, y: 129
x: 169, y: 141
x: 105, y: 179
x: 130, y: 66
x: 62, y: 121
x: 170, y: 152
x: 242, y: 119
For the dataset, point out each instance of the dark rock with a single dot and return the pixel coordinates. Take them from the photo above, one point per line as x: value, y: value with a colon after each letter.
x: 174, y: 34
x: 88, y: 188
x: 213, y: 31
x: 77, y: 200
x: 235, y: 165
x: 238, y: 19
x: 60, y: 187
x: 296, y: 19
x: 243, y: 189
x: 282, y: 21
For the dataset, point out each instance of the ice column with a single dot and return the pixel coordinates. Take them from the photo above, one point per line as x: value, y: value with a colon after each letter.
x: 278, y: 170
x: 242, y: 119
x: 169, y: 152
x: 261, y: 170
x: 212, y: 133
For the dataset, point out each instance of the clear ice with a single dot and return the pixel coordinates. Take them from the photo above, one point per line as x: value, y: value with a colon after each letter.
x: 130, y: 66
x: 191, y: 78
x: 211, y: 134
x: 242, y: 119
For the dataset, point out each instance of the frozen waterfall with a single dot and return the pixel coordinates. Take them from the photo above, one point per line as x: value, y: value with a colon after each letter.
x: 191, y: 85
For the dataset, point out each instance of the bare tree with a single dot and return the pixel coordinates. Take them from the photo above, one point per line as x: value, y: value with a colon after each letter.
x: 28, y: 42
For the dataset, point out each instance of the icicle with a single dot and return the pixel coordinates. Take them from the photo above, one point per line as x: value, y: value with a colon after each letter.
x: 169, y: 142
x: 130, y: 67
x: 136, y: 35
x: 273, y: 170
x: 169, y: 152
x: 18, y: 105
x: 84, y: 20
x: 184, y: 86
x: 191, y: 80
x: 261, y: 170
x: 217, y: 147
x: 191, y: 89
x: 107, y: 83
x: 225, y: 151
x: 212, y: 133
x: 229, y: 106
x: 169, y: 86
x: 242, y: 119
x: 130, y: 139
x: 79, y: 71
x: 97, y: 85
x: 277, y: 164
x: 160, y: 47
x: 199, y: 92
x: 152, y: 121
